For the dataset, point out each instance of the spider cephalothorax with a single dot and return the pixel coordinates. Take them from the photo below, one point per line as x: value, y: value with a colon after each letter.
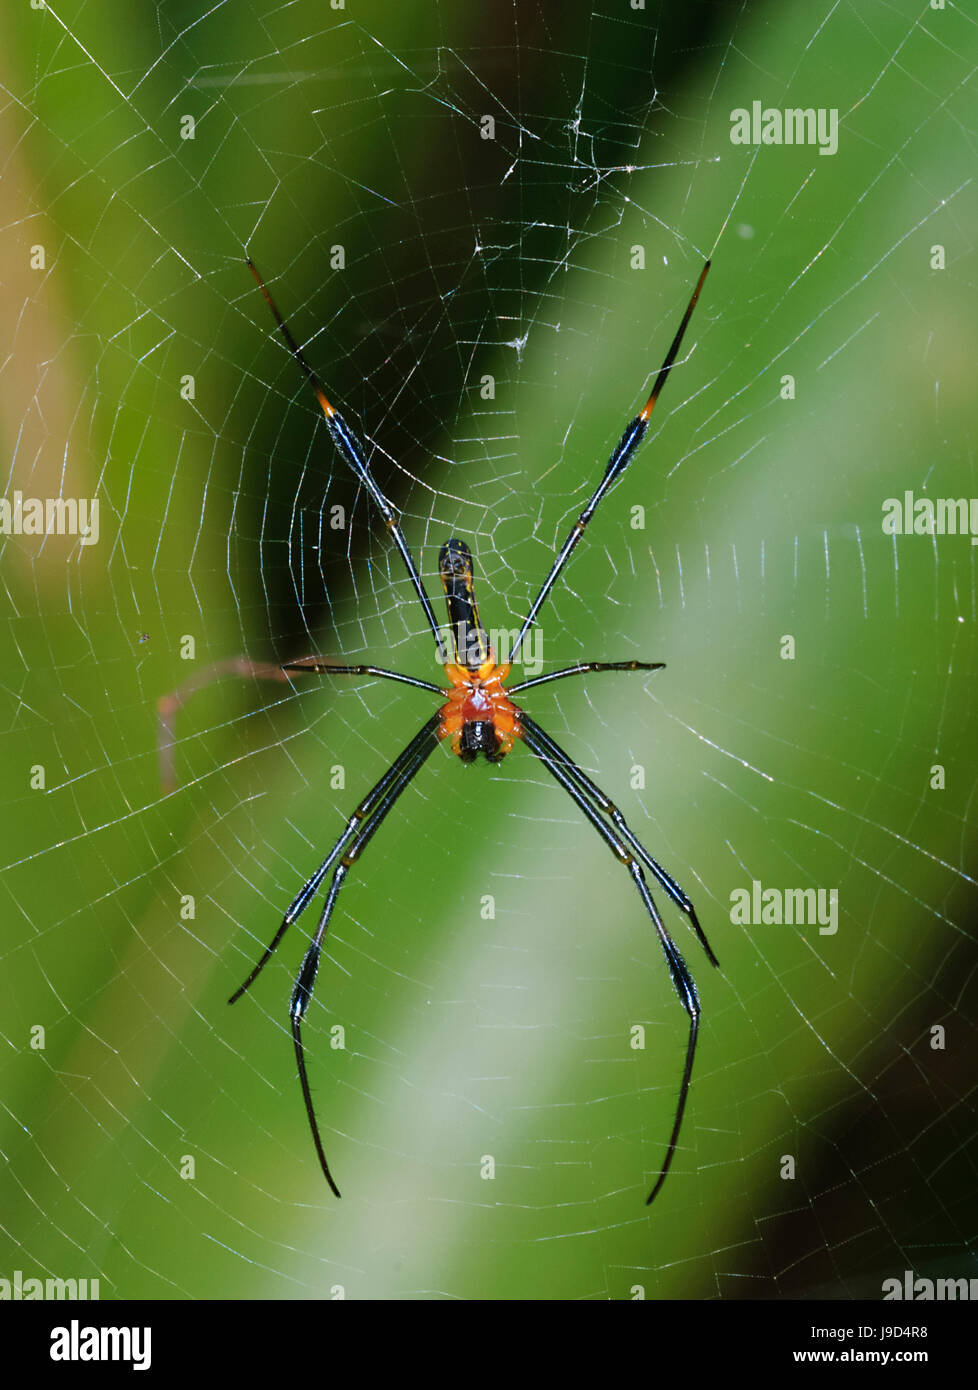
x: 478, y: 716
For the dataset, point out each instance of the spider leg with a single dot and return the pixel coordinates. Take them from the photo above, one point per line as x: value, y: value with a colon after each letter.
x: 558, y: 767
x: 351, y: 451
x: 306, y: 978
x: 302, y: 899
x: 169, y: 706
x: 328, y: 668
x: 584, y: 666
x: 690, y: 1000
x: 619, y: 461
x: 590, y: 789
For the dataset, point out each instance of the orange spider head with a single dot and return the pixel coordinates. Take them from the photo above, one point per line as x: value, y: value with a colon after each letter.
x: 479, y: 716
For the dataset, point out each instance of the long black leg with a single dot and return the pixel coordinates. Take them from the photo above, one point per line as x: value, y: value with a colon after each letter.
x: 590, y: 789
x: 536, y: 741
x: 305, y: 894
x: 619, y: 461
x: 690, y: 1000
x: 351, y: 450
x: 306, y: 978
x: 327, y: 668
x: 584, y: 666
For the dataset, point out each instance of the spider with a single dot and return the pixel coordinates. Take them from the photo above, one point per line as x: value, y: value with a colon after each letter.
x: 478, y: 717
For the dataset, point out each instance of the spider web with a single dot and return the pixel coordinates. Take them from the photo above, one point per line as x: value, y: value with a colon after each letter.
x: 483, y: 225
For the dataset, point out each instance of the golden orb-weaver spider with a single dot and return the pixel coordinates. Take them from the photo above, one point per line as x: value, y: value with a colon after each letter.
x: 479, y: 717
